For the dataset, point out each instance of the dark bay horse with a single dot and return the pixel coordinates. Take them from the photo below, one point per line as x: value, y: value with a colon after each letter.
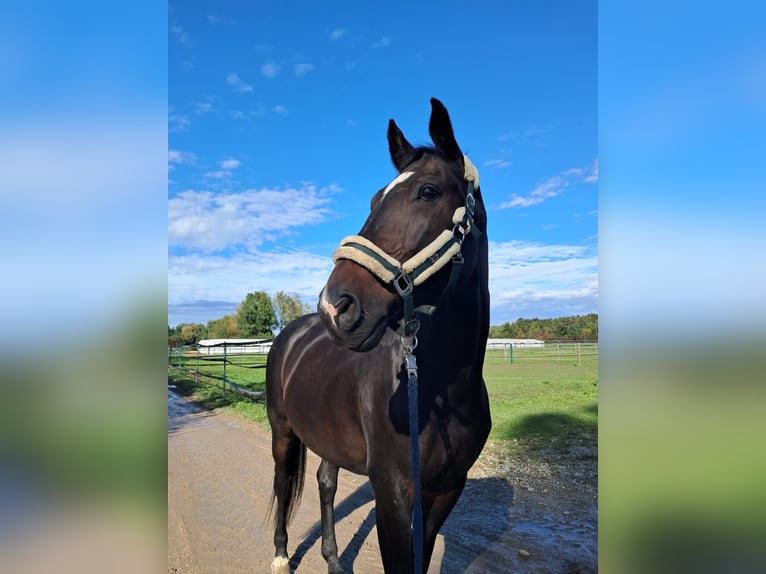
x: 337, y: 381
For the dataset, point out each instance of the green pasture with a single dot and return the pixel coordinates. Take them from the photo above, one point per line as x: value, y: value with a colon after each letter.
x: 546, y: 398
x: 200, y: 378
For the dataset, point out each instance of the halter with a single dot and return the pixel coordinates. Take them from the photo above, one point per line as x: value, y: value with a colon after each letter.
x: 405, y: 277
x: 425, y: 263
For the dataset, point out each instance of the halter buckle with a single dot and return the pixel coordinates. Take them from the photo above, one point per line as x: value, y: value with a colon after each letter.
x: 403, y: 284
x: 459, y: 232
x: 470, y: 201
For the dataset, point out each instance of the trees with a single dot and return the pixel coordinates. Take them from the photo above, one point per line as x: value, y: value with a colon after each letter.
x: 575, y: 328
x: 288, y: 308
x: 255, y: 316
x: 224, y: 328
x: 192, y: 332
x: 186, y: 334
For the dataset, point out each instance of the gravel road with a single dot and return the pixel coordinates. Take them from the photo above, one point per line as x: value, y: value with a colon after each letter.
x: 512, y: 517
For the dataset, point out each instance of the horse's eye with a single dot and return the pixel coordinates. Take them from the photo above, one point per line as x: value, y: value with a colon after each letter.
x: 428, y: 193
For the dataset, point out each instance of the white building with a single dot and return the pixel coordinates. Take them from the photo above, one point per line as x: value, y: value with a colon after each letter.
x: 515, y: 343
x: 236, y: 346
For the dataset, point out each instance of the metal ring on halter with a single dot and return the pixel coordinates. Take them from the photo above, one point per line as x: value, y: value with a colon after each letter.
x: 408, y: 348
x: 459, y: 232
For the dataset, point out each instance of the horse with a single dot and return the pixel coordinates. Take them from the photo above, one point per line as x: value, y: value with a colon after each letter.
x: 338, y: 381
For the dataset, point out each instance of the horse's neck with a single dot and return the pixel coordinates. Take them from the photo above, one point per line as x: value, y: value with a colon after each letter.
x: 458, y: 331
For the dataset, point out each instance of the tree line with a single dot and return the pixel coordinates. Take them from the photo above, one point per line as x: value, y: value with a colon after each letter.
x: 258, y: 316
x: 574, y: 328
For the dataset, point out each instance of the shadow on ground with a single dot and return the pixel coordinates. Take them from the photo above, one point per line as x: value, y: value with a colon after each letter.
x: 474, y: 529
x: 478, y: 521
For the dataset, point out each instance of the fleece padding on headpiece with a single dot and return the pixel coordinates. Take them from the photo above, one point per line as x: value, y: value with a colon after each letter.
x: 471, y: 173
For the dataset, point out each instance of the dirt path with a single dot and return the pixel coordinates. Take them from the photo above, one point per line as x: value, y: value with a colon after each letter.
x: 220, y: 473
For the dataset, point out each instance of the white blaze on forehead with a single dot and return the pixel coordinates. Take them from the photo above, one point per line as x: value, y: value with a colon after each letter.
x: 404, y: 176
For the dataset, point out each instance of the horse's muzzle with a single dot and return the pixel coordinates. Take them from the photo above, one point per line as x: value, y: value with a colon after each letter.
x: 346, y: 321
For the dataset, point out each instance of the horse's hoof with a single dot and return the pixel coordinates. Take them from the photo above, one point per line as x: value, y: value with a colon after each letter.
x: 280, y: 565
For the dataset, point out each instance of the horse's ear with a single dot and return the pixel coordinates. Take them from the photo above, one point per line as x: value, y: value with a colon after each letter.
x: 441, y: 132
x: 398, y: 146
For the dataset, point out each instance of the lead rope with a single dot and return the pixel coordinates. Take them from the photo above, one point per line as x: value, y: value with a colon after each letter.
x: 409, y: 342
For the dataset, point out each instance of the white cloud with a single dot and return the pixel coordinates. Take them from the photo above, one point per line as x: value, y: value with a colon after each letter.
x: 237, y: 83
x: 226, y: 167
x: 181, y: 36
x: 196, y: 279
x: 592, y: 177
x: 301, y: 69
x: 529, y: 279
x: 337, y: 34
x: 553, y: 186
x: 382, y: 43
x: 202, y: 220
x: 270, y: 69
x: 498, y: 163
x: 280, y: 109
x: 217, y: 174
x: 203, y: 107
x: 179, y: 157
x: 177, y: 122
x: 229, y: 164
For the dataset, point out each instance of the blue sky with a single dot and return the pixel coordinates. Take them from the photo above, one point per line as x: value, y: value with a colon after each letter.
x: 277, y: 140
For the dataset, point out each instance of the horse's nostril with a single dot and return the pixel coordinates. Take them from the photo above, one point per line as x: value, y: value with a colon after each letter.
x: 342, y: 305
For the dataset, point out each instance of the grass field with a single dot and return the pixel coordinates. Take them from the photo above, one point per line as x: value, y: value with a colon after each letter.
x: 543, y: 399
x: 545, y: 394
x: 201, y: 380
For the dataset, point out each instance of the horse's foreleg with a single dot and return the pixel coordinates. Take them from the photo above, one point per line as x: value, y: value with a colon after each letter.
x: 435, y: 512
x: 327, y: 477
x: 392, y: 519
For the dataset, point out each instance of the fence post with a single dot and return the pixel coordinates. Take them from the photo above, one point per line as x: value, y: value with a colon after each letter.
x: 224, y: 368
x: 578, y: 355
x: 510, y: 352
x: 196, y: 369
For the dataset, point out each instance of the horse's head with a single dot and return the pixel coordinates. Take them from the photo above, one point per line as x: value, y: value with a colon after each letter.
x: 419, y: 225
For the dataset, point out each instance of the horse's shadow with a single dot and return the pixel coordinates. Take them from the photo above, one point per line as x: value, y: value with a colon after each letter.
x: 481, y: 516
